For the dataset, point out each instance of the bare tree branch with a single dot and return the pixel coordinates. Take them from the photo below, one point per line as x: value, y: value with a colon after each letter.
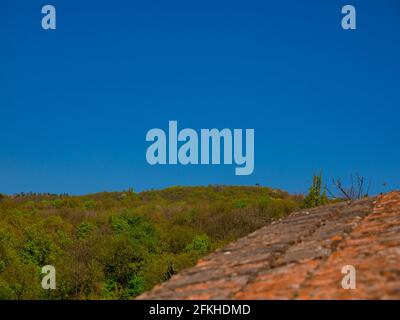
x: 356, y: 190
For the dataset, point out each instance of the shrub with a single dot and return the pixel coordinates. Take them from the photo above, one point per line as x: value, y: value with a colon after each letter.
x: 200, y: 244
x: 317, y: 195
x: 84, y: 229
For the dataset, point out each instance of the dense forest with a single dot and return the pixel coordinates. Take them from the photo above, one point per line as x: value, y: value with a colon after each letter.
x: 115, y: 245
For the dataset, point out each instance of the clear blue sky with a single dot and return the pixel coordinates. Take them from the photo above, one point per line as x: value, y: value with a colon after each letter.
x: 76, y: 103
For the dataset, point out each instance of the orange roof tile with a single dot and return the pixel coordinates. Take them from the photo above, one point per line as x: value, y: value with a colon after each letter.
x: 302, y: 256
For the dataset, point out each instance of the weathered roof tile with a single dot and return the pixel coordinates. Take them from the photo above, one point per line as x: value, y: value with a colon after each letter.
x: 301, y: 257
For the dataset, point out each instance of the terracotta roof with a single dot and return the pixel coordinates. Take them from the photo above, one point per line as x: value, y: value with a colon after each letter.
x: 301, y: 257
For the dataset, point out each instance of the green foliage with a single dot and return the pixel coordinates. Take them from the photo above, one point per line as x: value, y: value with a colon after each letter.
x: 241, y: 204
x: 200, y: 244
x: 35, y: 251
x: 115, y: 245
x: 57, y: 203
x: 89, y: 204
x: 317, y: 194
x: 110, y: 289
x: 84, y: 229
x: 134, y: 288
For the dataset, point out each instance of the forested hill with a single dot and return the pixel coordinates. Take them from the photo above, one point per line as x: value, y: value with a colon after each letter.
x: 115, y: 245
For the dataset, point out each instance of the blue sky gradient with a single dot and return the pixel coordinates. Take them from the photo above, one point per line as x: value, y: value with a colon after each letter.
x: 76, y: 103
